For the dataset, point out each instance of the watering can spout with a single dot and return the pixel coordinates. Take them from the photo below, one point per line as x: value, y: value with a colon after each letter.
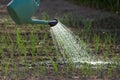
x: 53, y: 22
x: 50, y: 22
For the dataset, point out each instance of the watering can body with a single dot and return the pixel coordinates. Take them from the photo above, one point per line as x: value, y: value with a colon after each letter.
x: 21, y: 12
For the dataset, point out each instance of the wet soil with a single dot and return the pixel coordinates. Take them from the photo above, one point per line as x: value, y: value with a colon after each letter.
x: 53, y: 8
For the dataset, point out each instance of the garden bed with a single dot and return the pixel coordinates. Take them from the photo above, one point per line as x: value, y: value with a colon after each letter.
x: 27, y: 52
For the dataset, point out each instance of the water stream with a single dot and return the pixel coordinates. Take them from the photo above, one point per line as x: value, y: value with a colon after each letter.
x: 72, y: 48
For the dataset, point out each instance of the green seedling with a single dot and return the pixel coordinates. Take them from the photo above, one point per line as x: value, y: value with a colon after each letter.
x: 33, y: 44
x: 6, y: 67
x: 54, y: 65
x: 66, y: 52
x: 45, y: 16
x: 96, y: 43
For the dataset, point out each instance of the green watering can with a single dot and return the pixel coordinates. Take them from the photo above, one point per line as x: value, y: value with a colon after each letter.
x: 21, y: 12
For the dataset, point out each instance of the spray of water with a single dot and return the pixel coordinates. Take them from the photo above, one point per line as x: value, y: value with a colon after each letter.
x: 72, y: 48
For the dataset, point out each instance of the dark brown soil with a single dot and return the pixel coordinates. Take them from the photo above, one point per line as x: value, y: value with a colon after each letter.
x: 60, y: 8
x: 53, y: 8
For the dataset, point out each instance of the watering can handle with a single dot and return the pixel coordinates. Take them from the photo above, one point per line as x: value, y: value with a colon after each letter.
x: 37, y: 2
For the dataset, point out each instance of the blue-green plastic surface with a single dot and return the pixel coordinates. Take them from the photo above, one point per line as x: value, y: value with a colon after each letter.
x: 21, y: 11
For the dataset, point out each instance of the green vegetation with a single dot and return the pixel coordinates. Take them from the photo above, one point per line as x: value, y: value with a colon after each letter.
x: 28, y: 51
x: 112, y: 5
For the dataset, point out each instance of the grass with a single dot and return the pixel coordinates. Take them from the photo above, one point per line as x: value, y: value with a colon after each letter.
x: 111, y: 5
x: 29, y: 49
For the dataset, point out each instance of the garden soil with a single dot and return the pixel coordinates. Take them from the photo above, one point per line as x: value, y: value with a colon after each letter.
x: 59, y: 8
